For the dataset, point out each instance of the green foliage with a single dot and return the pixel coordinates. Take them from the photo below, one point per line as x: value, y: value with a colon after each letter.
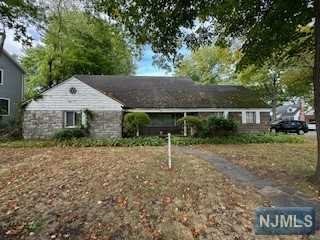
x: 133, y: 122
x: 154, y: 141
x: 115, y: 142
x: 264, y: 26
x: 10, y: 129
x: 220, y: 126
x: 239, y: 139
x: 69, y: 133
x: 87, y: 142
x: 89, y: 116
x: 17, y: 15
x: 195, y: 124
x: 209, y: 65
x: 76, y: 43
x: 191, y: 121
x: 261, y: 80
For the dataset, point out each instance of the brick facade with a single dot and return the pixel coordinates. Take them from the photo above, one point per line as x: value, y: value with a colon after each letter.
x: 263, y: 126
x: 44, y: 124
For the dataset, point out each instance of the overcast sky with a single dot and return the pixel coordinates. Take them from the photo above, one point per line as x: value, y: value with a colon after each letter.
x: 144, y: 66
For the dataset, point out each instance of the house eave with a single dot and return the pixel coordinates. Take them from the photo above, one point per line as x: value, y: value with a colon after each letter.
x: 173, y: 110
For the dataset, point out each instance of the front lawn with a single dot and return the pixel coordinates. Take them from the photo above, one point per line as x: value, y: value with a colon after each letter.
x: 286, y: 164
x: 118, y: 193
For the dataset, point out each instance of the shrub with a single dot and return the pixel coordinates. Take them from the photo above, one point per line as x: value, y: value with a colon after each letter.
x: 68, y: 134
x: 113, y: 142
x: 239, y: 139
x: 220, y: 126
x: 195, y: 124
x: 155, y: 141
x: 10, y: 129
x: 133, y: 122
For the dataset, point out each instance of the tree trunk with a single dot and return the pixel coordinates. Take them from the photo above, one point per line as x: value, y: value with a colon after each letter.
x: 274, y: 96
x: 316, y: 84
x: 138, y: 133
x: 50, y: 80
x: 274, y: 107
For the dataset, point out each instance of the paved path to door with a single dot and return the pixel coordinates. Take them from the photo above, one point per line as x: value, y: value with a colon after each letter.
x: 279, y: 196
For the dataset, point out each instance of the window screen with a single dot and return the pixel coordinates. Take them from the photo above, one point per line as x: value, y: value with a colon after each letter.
x: 72, y: 119
x: 251, y: 117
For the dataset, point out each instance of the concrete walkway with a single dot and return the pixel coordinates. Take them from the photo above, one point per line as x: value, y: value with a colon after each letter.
x: 279, y: 196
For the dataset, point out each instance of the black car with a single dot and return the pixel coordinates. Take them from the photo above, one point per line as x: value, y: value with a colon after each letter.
x: 291, y: 126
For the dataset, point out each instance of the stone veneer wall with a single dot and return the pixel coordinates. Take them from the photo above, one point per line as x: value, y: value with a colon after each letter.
x: 106, y: 124
x: 44, y: 124
x: 41, y: 124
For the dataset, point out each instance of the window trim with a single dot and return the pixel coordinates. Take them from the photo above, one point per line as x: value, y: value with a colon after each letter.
x: 2, y: 77
x: 74, y: 119
x: 9, y: 104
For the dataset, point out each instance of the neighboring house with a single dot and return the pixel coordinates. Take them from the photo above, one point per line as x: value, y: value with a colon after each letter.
x: 293, y: 111
x: 11, y: 86
x: 288, y: 112
x: 164, y: 99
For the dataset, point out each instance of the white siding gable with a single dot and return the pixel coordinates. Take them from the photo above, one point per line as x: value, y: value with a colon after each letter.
x: 86, y: 97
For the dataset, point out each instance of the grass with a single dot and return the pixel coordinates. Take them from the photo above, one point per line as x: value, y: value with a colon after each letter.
x: 154, y: 141
x: 118, y: 193
x: 287, y: 164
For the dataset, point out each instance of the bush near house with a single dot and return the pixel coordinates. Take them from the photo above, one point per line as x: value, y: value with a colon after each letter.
x: 133, y: 122
x: 10, y: 129
x: 217, y: 126
x: 70, y: 133
x: 239, y: 139
x: 195, y: 124
x: 210, y: 127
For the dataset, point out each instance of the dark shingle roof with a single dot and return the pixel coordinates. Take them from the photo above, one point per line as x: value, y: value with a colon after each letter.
x: 171, y: 92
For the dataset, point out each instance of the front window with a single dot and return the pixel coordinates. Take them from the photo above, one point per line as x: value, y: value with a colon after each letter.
x: 4, y: 107
x: 250, y: 117
x: 162, y: 120
x: 72, y: 119
x: 1, y: 76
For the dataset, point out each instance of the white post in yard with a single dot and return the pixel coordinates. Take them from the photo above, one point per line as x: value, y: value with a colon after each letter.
x: 185, y: 125
x: 169, y: 150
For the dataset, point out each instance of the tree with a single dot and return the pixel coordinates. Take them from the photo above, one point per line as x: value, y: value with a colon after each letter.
x: 265, y: 81
x: 80, y: 45
x: 316, y: 82
x: 299, y: 58
x: 18, y: 15
x: 264, y: 26
x: 209, y: 65
x: 133, y: 122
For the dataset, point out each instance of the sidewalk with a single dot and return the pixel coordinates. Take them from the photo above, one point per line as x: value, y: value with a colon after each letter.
x: 279, y: 196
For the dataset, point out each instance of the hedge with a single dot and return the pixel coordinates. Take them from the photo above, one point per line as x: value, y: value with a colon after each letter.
x: 155, y: 141
x: 239, y: 139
